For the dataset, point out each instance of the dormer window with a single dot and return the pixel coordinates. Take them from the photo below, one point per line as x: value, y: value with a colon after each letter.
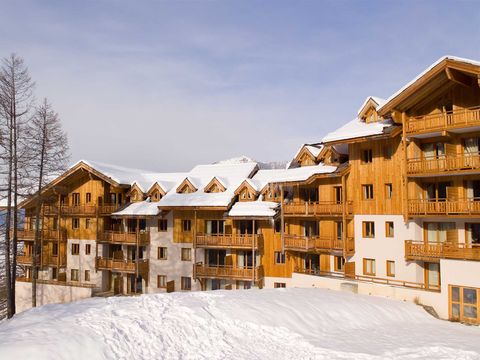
x: 214, y: 186
x: 186, y: 187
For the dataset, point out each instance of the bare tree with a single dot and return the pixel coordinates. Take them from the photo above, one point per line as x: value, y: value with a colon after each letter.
x: 16, y: 98
x: 48, y: 149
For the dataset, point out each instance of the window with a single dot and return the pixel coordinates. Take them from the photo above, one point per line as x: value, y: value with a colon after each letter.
x: 75, y: 223
x: 388, y: 191
x: 339, y: 264
x: 279, y: 257
x: 55, y: 249
x: 432, y: 276
x: 433, y: 150
x: 367, y: 191
x: 387, y: 152
x: 279, y: 285
x: 161, y: 281
x: 278, y: 226
x: 391, y: 268
x: 367, y: 156
x: 75, y: 249
x: 162, y: 225
x: 75, y: 198
x: 55, y: 224
x: 186, y: 254
x: 74, y: 275
x: 88, y: 249
x: 88, y: 198
x: 439, y: 232
x: 87, y: 223
x: 339, y: 230
x: 186, y: 283
x: 368, y: 229
x: 87, y: 275
x: 338, y: 194
x: 54, y: 273
x: 187, y: 225
x: 464, y: 304
x: 389, y: 230
x: 162, y: 253
x: 214, y: 226
x: 369, y: 267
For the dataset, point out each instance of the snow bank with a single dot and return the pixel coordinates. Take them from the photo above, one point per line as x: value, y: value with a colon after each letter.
x: 251, y: 324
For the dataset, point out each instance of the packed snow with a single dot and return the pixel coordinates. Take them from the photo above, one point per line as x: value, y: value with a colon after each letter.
x: 252, y: 324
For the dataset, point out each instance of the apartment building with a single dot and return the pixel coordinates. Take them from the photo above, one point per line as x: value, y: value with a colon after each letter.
x: 388, y: 204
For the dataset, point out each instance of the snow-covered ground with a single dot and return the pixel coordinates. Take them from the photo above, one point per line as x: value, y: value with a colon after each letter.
x: 251, y: 324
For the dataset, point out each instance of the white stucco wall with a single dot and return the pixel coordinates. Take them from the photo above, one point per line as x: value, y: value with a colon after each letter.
x: 173, y: 267
x: 48, y: 294
x: 83, y: 262
x: 382, y: 248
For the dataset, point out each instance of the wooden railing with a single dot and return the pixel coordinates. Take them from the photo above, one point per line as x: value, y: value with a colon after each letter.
x: 316, y: 243
x: 420, y: 250
x: 201, y: 270
x: 120, y: 237
x: 238, y: 241
x: 88, y: 210
x: 445, y: 121
x: 317, y: 208
x: 54, y: 260
x: 370, y: 279
x: 29, y: 235
x: 26, y: 259
x: 127, y: 266
x: 446, y: 163
x: 444, y: 207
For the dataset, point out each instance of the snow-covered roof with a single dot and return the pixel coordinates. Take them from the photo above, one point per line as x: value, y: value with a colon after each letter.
x: 358, y: 128
x: 314, y: 149
x: 141, y: 208
x: 423, y: 73
x: 231, y: 175
x: 264, y: 177
x: 254, y: 209
x: 129, y: 176
x: 379, y: 101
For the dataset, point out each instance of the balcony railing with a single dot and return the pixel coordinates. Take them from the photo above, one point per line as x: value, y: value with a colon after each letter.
x: 420, y: 250
x: 316, y: 243
x: 440, y: 122
x: 57, y: 282
x: 29, y: 235
x: 442, y: 164
x: 87, y: 210
x: 121, y: 237
x: 247, y: 273
x: 237, y: 241
x: 422, y: 207
x: 120, y: 265
x: 317, y: 208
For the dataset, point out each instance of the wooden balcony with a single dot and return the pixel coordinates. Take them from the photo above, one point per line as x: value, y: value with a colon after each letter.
x: 49, y: 235
x: 81, y: 210
x: 126, y: 238
x: 322, y: 208
x: 23, y: 259
x: 443, y: 122
x: 57, y: 282
x: 120, y: 265
x: 425, y: 251
x: 54, y: 260
x: 229, y: 241
x: 444, y: 207
x: 458, y: 163
x: 227, y: 272
x: 317, y: 244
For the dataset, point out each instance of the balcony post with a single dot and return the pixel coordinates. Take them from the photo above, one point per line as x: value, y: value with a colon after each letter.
x: 282, y: 219
x: 137, y: 253
x: 404, y: 162
x: 253, y: 254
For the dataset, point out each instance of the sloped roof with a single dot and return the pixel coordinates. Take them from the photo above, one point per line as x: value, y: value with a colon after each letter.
x: 231, y: 175
x: 424, y: 73
x: 141, y: 208
x: 377, y: 100
x: 257, y: 208
x: 358, y: 128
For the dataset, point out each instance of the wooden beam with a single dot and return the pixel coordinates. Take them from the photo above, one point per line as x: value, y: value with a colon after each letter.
x: 458, y: 77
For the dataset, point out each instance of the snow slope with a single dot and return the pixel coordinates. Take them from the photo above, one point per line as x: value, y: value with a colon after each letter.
x: 251, y: 324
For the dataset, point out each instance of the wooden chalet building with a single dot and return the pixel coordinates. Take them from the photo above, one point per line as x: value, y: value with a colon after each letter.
x: 388, y: 205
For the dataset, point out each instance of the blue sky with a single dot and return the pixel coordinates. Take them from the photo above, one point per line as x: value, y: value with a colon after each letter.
x: 165, y: 85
